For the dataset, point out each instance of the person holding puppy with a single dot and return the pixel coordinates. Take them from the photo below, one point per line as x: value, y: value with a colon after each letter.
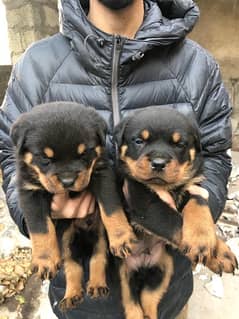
x: 119, y: 56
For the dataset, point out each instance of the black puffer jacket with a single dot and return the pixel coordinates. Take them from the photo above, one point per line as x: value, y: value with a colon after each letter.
x: 117, y: 76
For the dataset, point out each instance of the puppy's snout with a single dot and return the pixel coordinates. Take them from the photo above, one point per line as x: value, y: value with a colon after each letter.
x: 67, y: 180
x: 158, y: 164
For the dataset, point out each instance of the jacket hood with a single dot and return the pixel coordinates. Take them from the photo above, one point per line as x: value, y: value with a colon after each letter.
x: 165, y: 22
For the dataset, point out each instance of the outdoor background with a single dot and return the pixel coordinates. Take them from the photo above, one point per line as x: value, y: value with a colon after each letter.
x: 23, y: 22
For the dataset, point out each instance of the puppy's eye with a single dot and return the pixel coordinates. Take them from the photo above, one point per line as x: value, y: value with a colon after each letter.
x: 181, y: 144
x: 86, y: 152
x: 138, y: 141
x: 45, y: 161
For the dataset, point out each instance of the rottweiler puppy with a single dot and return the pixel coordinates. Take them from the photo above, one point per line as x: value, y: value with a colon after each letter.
x: 60, y: 148
x: 159, y: 149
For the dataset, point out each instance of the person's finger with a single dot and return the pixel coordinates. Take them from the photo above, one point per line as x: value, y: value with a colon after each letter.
x: 166, y: 197
x: 77, y: 207
x: 59, y: 201
x: 198, y: 190
x: 163, y: 194
x: 92, y: 206
x: 125, y: 189
x: 84, y: 207
x: 66, y: 207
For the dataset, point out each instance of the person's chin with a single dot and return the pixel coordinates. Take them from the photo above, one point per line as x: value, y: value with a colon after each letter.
x: 116, y: 4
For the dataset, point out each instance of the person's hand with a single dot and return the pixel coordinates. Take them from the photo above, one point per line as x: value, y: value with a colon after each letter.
x: 193, y: 189
x: 162, y: 193
x: 78, y: 207
x: 198, y: 190
x: 166, y: 197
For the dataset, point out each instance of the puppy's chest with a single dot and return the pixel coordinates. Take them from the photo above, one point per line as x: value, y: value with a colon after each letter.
x: 151, y: 249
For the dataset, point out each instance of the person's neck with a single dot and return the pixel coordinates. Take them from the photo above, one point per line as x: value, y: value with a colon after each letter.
x: 124, y: 22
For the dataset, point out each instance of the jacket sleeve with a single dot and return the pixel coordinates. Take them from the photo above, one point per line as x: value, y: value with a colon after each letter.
x: 15, y: 103
x: 216, y: 137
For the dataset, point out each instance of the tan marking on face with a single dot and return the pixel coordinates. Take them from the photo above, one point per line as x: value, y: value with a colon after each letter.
x: 123, y: 150
x: 83, y: 178
x: 49, y: 182
x: 140, y: 169
x: 28, y: 158
x: 49, y: 152
x: 192, y: 153
x: 145, y: 134
x: 176, y: 173
x: 98, y: 150
x: 173, y: 174
x: 53, y: 184
x: 176, y: 137
x: 81, y: 148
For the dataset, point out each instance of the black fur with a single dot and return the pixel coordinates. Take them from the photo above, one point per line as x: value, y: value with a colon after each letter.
x: 55, y: 144
x: 149, y: 278
x: 150, y: 214
x: 145, y: 207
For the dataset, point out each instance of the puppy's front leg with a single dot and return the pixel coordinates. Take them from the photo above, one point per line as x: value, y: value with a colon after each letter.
x: 224, y: 260
x: 45, y: 250
x: 199, y: 235
x: 122, y: 239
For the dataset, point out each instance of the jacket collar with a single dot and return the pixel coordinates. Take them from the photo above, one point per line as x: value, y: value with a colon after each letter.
x: 165, y: 22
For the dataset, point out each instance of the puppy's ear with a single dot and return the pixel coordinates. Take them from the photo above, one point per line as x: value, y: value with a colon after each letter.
x: 197, y: 142
x: 18, y: 133
x: 102, y: 131
x: 118, y: 136
x: 196, y: 135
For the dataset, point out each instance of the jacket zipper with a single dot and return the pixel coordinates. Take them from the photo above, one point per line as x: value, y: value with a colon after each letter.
x: 114, y: 79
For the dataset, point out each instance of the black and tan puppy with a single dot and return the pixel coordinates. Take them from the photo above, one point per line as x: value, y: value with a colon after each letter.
x: 60, y: 147
x: 159, y: 149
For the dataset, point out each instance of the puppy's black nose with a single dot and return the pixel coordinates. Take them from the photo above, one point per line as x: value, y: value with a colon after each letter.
x: 67, y: 181
x: 158, y: 164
